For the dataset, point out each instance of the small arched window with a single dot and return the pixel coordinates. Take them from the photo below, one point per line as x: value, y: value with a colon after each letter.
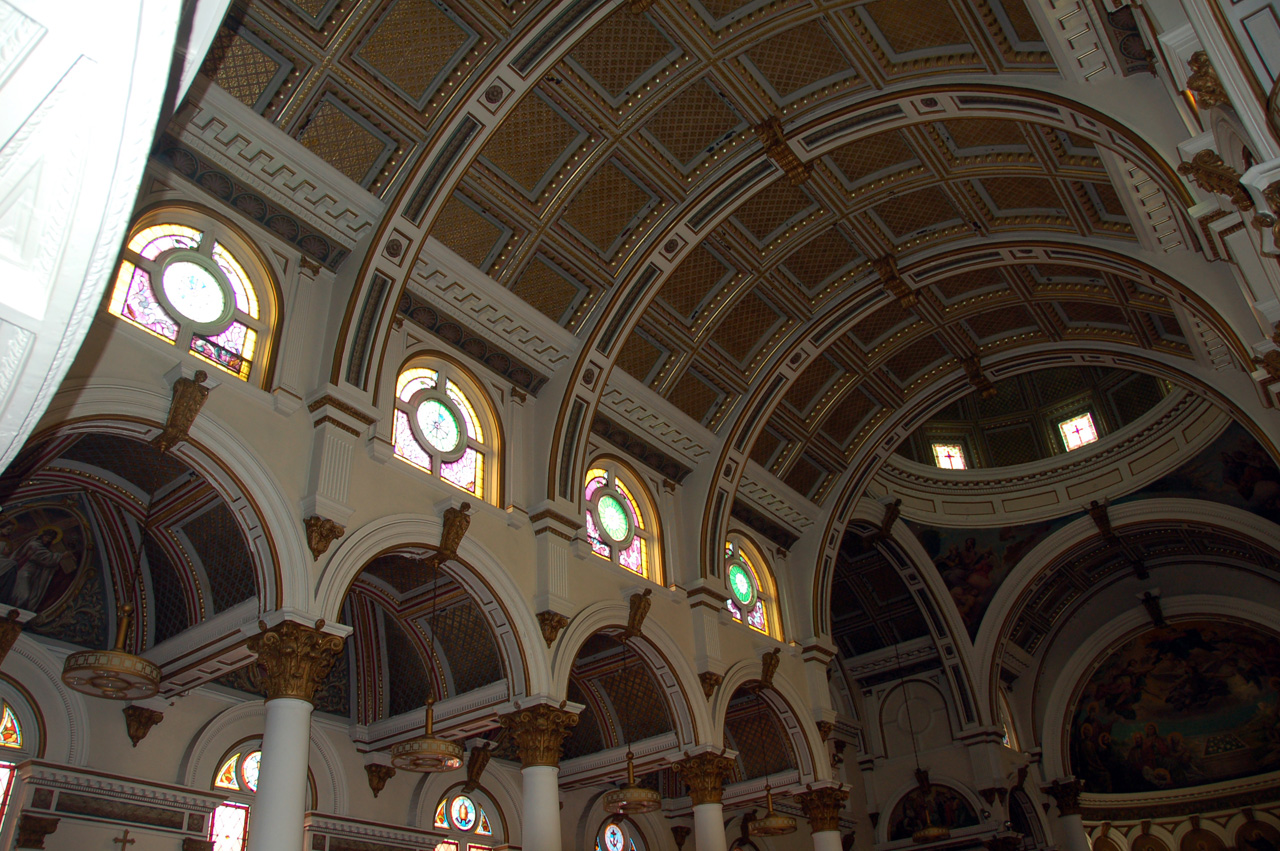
x: 190, y: 285
x: 621, y: 522
x: 619, y: 835
x: 467, y: 821
x: 237, y: 774
x: 753, y: 597
x: 444, y: 426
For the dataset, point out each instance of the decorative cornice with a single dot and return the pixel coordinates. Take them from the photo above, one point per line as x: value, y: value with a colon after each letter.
x: 639, y: 448
x: 775, y: 532
x: 296, y: 658
x: 339, y: 405
x: 539, y: 732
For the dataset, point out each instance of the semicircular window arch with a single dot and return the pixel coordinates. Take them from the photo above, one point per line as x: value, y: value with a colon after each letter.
x: 469, y: 820
x: 621, y: 521
x: 619, y: 834
x: 445, y: 426
x: 751, y: 590
x: 196, y: 284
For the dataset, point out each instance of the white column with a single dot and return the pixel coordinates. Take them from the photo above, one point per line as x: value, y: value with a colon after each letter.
x: 541, y: 807
x: 708, y: 827
x: 275, y: 823
x: 1071, y: 834
x: 826, y: 840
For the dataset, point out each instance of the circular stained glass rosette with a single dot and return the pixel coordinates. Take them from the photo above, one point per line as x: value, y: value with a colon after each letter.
x: 741, y: 585
x: 194, y: 289
x: 249, y: 769
x: 440, y: 426
x: 615, y: 522
x: 463, y: 812
x: 613, y: 838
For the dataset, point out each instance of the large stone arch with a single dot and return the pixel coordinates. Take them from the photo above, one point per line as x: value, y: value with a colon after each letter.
x: 666, y: 658
x: 515, y: 629
x: 65, y: 729
x: 787, y: 703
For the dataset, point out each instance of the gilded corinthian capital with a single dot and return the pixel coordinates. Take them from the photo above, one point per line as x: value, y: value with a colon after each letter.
x: 539, y: 732
x: 704, y: 775
x: 295, y: 658
x: 822, y: 807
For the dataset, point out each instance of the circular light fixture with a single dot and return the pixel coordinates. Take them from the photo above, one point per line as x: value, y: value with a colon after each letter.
x: 632, y: 800
x: 113, y: 674
x: 428, y: 752
x: 194, y: 288
x: 930, y: 832
x: 771, y: 824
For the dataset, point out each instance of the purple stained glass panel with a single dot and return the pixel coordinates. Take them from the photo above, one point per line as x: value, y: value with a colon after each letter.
x: 632, y: 558
x: 755, y: 618
x: 407, y: 446
x: 462, y: 472
x: 140, y: 306
x: 593, y: 486
x: 225, y: 349
x: 161, y: 244
x: 734, y: 610
x: 593, y: 535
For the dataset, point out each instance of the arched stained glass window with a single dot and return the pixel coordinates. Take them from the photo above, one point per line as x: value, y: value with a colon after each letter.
x: 467, y: 818
x: 10, y: 728
x: 239, y: 772
x: 620, y: 521
x: 752, y: 598
x: 188, y: 286
x: 443, y: 427
x: 619, y: 835
x: 238, y: 775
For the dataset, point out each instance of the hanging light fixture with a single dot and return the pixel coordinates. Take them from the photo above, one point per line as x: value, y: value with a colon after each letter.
x: 429, y: 752
x: 632, y: 800
x: 930, y: 832
x: 771, y: 824
x: 116, y: 674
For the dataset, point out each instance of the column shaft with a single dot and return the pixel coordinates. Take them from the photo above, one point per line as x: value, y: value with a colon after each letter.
x: 541, y: 807
x: 708, y: 827
x: 275, y: 822
x: 1071, y: 833
x: 826, y: 840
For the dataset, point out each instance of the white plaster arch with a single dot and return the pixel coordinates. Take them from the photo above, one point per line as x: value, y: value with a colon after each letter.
x: 1111, y: 633
x: 989, y: 644
x: 499, y: 785
x: 64, y: 713
x: 244, y: 720
x: 667, y: 660
x: 948, y: 710
x: 515, y: 629
x: 938, y: 778
x: 787, y: 702
x: 138, y: 410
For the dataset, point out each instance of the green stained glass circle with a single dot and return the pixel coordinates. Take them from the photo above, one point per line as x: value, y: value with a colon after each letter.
x: 613, y: 518
x: 194, y: 291
x: 744, y: 590
x: 439, y: 425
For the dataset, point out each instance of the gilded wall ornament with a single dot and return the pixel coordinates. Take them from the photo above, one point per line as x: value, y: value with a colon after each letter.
x: 770, y: 133
x: 321, y: 533
x: 456, y: 523
x: 704, y: 775
x: 551, y: 623
x: 294, y: 658
x: 769, y: 666
x: 680, y: 833
x: 189, y: 396
x: 477, y: 760
x: 379, y: 774
x: 1208, y: 171
x: 710, y: 682
x: 825, y: 729
x: 822, y: 807
x: 640, y: 604
x: 539, y: 732
x: 1101, y: 519
x: 1203, y: 82
x: 139, y: 720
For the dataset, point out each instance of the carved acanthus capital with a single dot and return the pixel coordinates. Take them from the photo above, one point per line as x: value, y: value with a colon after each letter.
x: 139, y: 720
x: 10, y: 629
x: 704, y: 775
x: 379, y: 774
x: 770, y: 133
x: 822, y: 807
x: 32, y: 830
x: 539, y: 732
x: 294, y: 658
x: 1203, y: 82
x: 1067, y: 795
x: 551, y: 623
x: 1208, y: 171
x: 710, y: 682
x: 321, y: 533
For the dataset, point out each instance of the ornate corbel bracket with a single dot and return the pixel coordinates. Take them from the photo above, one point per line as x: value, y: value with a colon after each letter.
x: 1203, y: 82
x: 321, y: 533
x: 770, y: 133
x: 551, y: 623
x: 1208, y: 171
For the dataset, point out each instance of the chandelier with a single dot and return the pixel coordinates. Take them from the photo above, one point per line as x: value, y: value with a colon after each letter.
x: 632, y: 800
x: 771, y: 824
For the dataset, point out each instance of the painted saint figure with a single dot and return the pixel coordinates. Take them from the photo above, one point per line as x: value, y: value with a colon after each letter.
x: 26, y: 574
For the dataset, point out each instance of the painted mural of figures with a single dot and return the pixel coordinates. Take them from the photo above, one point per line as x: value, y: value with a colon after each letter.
x: 41, y: 556
x: 940, y: 805
x: 34, y: 566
